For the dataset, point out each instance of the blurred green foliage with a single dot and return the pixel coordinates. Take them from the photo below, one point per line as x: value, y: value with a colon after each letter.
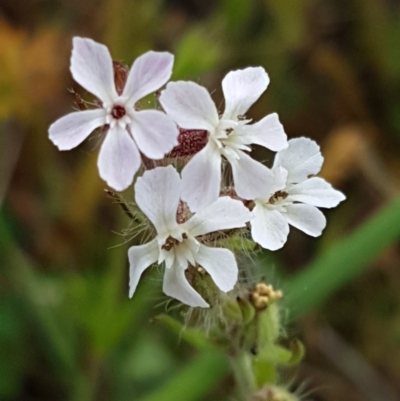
x: 67, y: 329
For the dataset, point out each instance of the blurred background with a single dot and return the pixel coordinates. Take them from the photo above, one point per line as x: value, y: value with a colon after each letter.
x: 67, y: 328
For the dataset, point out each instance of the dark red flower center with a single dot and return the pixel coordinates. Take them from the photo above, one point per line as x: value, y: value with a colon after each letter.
x: 118, y: 112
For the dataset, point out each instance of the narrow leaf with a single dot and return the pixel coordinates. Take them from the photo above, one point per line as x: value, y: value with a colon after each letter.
x: 195, y: 381
x: 343, y: 262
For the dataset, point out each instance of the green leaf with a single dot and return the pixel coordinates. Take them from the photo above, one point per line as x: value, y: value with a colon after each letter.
x: 192, y: 336
x: 195, y: 381
x: 344, y: 261
x: 21, y: 273
x: 264, y: 372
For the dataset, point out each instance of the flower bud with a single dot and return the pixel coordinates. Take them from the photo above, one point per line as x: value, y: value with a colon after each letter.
x: 232, y: 311
x: 247, y: 309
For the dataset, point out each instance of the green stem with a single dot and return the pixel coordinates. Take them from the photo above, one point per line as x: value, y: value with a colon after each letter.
x: 244, y: 375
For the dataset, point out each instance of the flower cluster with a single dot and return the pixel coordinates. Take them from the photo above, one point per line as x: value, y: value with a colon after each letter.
x: 187, y: 209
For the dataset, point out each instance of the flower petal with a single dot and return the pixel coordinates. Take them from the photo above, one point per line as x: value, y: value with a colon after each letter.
x: 242, y: 88
x: 92, y: 68
x: 317, y: 192
x: 301, y: 159
x: 154, y: 132
x: 201, y: 178
x: 220, y: 264
x: 157, y: 194
x: 71, y: 130
x: 189, y: 105
x: 223, y: 214
x: 140, y: 258
x: 306, y: 218
x: 176, y: 286
x: 149, y: 73
x: 280, y: 177
x: 119, y: 159
x: 268, y: 132
x: 252, y: 179
x: 269, y: 228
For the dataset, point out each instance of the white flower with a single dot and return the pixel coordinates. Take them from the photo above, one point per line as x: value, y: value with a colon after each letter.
x: 150, y: 131
x: 191, y: 106
x: 157, y: 194
x: 294, y: 196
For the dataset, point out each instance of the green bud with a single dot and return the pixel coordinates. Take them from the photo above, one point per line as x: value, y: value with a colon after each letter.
x: 297, y: 350
x: 269, y: 327
x: 232, y: 311
x: 248, y: 310
x: 238, y: 243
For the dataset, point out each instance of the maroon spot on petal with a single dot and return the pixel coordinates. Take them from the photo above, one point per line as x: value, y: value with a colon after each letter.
x: 183, y: 213
x: 190, y: 141
x: 120, y: 76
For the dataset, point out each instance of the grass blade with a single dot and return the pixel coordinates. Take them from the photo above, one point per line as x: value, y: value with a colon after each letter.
x: 195, y: 381
x: 343, y: 261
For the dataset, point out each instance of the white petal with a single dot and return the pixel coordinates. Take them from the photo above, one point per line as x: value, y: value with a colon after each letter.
x: 92, y: 68
x: 71, y: 130
x: 176, y: 286
x: 189, y: 105
x: 187, y: 250
x: 316, y: 191
x: 149, y: 73
x: 119, y: 159
x: 252, y: 179
x: 201, y: 178
x: 220, y: 264
x: 154, y: 132
x: 157, y: 194
x: 280, y: 177
x: 223, y: 214
x: 301, y: 159
x: 306, y: 218
x: 168, y: 257
x: 242, y: 88
x: 140, y: 258
x: 268, y: 132
x: 269, y: 228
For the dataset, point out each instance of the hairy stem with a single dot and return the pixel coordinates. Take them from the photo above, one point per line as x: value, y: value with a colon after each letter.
x: 244, y: 375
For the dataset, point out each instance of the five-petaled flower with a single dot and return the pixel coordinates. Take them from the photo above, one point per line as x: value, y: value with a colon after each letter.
x: 294, y: 196
x: 158, y: 194
x: 150, y: 131
x: 191, y: 107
